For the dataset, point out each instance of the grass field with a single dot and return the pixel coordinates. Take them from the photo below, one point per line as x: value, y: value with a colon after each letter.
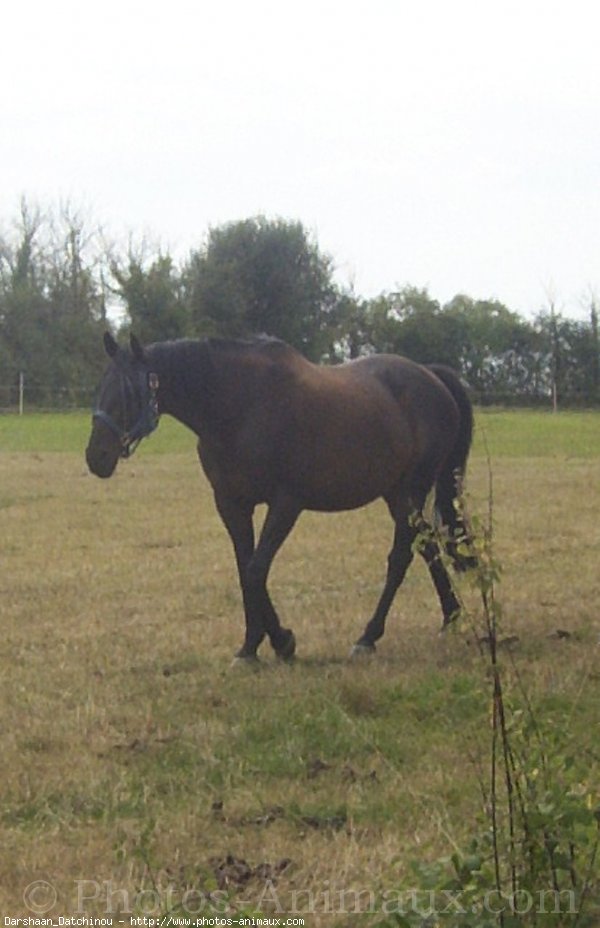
x: 139, y: 770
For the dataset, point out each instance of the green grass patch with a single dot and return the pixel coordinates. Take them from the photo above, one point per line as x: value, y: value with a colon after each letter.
x: 506, y: 433
x: 535, y: 433
x: 42, y: 432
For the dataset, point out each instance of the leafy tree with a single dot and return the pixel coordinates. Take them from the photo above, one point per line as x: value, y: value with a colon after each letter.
x: 261, y: 275
x: 350, y: 337
x: 500, y: 353
x: 50, y: 306
x: 24, y: 315
x: 411, y: 323
x: 152, y: 296
x: 76, y: 300
x: 428, y: 334
x: 571, y: 353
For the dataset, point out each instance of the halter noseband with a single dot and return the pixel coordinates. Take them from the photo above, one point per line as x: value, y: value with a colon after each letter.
x: 147, y: 420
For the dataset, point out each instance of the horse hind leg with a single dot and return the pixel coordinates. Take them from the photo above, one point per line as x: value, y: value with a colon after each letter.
x: 428, y: 545
x: 399, y: 560
x: 408, y: 528
x: 449, y: 512
x: 431, y: 553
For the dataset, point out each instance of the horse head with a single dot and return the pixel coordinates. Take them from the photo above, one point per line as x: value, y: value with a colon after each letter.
x: 126, y: 409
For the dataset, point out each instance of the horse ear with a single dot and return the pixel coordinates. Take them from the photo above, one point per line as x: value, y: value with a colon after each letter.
x: 110, y: 345
x: 137, y: 349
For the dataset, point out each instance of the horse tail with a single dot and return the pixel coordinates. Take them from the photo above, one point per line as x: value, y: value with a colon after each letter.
x: 448, y: 488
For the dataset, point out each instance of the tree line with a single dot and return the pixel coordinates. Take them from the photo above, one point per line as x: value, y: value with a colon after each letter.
x: 62, y: 284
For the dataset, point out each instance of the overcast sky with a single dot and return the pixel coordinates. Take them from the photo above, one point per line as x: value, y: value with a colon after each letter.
x: 453, y: 145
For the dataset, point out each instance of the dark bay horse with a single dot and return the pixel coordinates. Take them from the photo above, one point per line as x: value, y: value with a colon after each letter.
x: 274, y: 428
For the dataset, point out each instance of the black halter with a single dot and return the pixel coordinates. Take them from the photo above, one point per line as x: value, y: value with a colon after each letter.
x: 147, y: 421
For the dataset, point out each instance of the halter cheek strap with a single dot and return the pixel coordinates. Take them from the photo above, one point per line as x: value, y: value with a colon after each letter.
x: 146, y: 422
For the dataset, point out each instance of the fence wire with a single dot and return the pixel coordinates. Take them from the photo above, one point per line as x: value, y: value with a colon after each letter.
x: 36, y: 397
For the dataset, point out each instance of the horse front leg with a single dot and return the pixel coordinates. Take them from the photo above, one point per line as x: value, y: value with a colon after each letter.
x: 237, y: 519
x: 253, y: 565
x: 281, y: 517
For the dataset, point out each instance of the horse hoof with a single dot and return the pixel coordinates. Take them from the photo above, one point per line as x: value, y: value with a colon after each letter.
x: 245, y: 662
x: 361, y: 650
x: 288, y: 649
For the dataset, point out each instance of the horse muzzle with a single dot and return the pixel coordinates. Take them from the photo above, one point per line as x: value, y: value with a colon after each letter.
x: 101, y: 461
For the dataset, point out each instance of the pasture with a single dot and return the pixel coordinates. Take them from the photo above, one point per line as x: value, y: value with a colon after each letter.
x: 139, y: 770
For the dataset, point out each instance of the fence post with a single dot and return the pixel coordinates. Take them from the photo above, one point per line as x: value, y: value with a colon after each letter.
x: 21, y: 392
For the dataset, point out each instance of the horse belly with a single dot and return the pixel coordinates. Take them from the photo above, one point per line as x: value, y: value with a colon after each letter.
x: 346, y: 473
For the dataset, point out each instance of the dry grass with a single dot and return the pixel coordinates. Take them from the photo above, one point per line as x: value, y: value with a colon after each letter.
x: 132, y: 753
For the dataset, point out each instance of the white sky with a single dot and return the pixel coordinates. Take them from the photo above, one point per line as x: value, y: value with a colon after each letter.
x: 453, y: 145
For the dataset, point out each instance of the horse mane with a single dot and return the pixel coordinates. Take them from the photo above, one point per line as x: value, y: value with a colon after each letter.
x: 191, y: 349
x: 192, y: 365
x: 257, y: 343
